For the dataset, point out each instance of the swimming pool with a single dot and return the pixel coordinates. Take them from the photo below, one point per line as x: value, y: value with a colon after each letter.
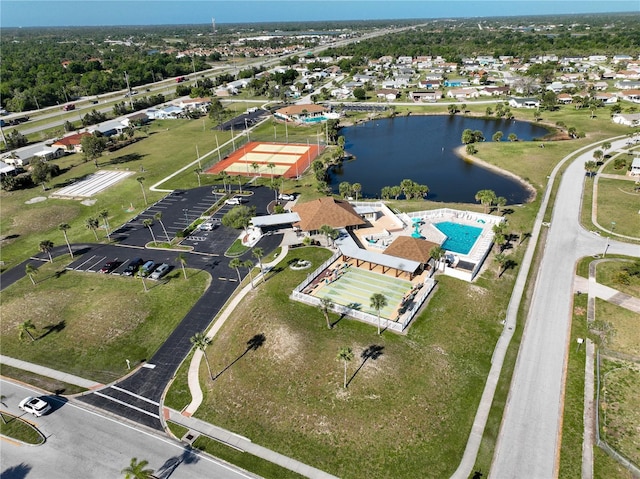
x: 314, y: 119
x: 460, y: 238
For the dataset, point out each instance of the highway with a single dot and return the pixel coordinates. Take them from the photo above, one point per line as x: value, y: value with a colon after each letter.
x: 83, y: 443
x: 529, y: 441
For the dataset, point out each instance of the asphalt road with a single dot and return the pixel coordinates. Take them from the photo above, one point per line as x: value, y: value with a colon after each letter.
x: 82, y: 443
x: 529, y: 439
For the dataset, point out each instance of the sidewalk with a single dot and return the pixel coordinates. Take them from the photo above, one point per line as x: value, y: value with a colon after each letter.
x: 243, y: 444
x: 50, y: 373
x: 194, y: 368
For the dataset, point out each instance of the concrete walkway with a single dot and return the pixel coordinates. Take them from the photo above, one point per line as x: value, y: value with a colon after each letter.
x: 193, y: 377
x: 242, y: 443
x: 50, y: 373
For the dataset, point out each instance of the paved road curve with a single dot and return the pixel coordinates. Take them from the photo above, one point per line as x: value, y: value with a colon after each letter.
x: 529, y: 438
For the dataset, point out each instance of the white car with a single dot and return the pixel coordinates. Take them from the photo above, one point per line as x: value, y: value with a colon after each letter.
x: 232, y: 201
x: 160, y: 271
x: 286, y: 197
x: 36, y: 406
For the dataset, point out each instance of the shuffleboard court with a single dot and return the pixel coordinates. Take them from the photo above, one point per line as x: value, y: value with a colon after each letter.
x: 290, y: 160
x: 93, y: 184
x: 355, y: 286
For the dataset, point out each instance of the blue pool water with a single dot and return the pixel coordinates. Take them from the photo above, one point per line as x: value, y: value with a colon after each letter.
x: 460, y: 238
x: 314, y: 119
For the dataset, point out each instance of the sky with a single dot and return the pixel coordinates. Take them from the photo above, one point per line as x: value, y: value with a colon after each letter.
x: 37, y: 13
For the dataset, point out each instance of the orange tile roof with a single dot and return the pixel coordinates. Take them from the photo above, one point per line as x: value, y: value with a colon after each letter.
x: 326, y: 211
x: 71, y: 140
x: 414, y: 249
x: 298, y: 109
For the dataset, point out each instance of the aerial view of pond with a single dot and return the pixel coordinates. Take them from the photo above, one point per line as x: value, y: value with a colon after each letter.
x: 420, y: 148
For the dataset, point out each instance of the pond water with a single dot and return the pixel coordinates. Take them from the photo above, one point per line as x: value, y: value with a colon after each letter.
x: 420, y: 148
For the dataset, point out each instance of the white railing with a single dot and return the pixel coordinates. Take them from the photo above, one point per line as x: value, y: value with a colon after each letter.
x: 317, y: 271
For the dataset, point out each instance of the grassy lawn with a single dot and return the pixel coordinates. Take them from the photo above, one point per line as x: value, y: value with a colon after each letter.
x: 87, y: 324
x: 405, y: 413
x: 617, y: 202
x: 572, y: 420
x: 606, y: 273
x: 604, y: 466
x: 16, y: 428
x: 620, y: 406
x: 623, y: 329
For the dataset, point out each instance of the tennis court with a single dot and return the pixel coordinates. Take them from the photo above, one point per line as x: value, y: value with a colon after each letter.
x: 353, y: 287
x: 272, y: 159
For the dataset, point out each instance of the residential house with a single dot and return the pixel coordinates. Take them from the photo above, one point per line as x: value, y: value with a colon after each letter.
x: 627, y: 85
x: 635, y: 167
x: 564, y: 98
x: 630, y: 95
x: 71, y: 143
x: 137, y: 119
x: 388, y: 94
x: 628, y: 74
x: 627, y: 119
x: 430, y: 84
x: 456, y: 83
x: 424, y: 96
x: 195, y: 104
x: 108, y: 128
x: 606, y: 98
x: 621, y: 58
x: 463, y: 93
x: 300, y: 112
x: 600, y: 85
x: 518, y: 102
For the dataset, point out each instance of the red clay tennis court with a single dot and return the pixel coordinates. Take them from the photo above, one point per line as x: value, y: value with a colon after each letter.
x: 288, y: 159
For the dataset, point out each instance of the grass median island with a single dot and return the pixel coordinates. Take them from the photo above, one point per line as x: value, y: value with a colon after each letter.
x: 88, y: 324
x: 15, y: 428
x: 406, y: 413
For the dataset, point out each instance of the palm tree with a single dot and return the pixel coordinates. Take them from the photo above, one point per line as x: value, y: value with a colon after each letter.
x: 200, y: 341
x: 182, y: 259
x: 46, y: 246
x: 92, y: 224
x: 501, y: 260
x: 236, y: 263
x: 25, y: 328
x: 344, y: 188
x: 486, y: 198
x: 140, y: 179
x: 437, y: 253
x: 148, y: 222
x: 325, y: 305
x: 598, y: 154
x: 225, y: 176
x: 271, y: 166
x: 31, y: 271
x: 327, y: 231
x: 198, y: 172
x: 501, y: 201
x: 144, y: 283
x: 377, y: 302
x: 158, y: 218
x: 136, y: 470
x: 345, y: 354
x: 64, y: 227
x: 255, y: 167
x: 258, y: 253
x: 104, y: 214
x: 249, y: 265
x: 356, y: 188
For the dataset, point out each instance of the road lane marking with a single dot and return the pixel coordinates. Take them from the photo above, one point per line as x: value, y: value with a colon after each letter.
x: 135, y: 395
x: 127, y: 405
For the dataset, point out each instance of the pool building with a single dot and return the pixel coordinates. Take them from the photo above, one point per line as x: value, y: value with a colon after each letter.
x: 378, y: 250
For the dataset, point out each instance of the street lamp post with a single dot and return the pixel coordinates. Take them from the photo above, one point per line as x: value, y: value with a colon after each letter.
x: 186, y: 215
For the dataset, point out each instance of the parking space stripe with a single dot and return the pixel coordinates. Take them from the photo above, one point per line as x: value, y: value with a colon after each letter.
x: 98, y: 393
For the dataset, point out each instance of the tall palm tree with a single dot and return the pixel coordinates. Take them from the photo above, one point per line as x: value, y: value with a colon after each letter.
x: 92, y: 224
x: 271, y: 166
x: 64, y: 227
x: 258, y: 253
x: 31, y: 271
x: 144, y: 283
x: 158, y: 218
x: 356, y: 188
x: 345, y: 354
x: 249, y: 265
x: 501, y: 201
x: 325, y: 305
x: 182, y: 259
x: 327, y: 231
x: 437, y: 253
x: 225, y: 176
x: 104, y: 214
x: 25, y: 328
x: 46, y: 246
x: 255, y: 167
x: 377, y: 302
x: 200, y: 341
x: 148, y: 222
x: 236, y: 263
x: 140, y: 179
x: 486, y: 198
x: 198, y: 172
x: 137, y: 470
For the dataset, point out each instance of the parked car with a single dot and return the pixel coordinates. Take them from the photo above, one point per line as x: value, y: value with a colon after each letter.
x: 36, y: 406
x: 232, y: 201
x: 109, y: 266
x: 133, y: 266
x: 210, y: 224
x: 160, y: 271
x: 147, y: 268
x: 286, y: 197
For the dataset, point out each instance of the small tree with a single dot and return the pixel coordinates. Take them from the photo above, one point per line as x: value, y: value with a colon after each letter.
x: 345, y: 354
x: 501, y: 201
x: 64, y: 227
x: 327, y: 231
x: 437, y: 253
x: 513, y: 137
x: 591, y: 167
x: 31, y: 271
x: 501, y: 260
x: 25, y: 328
x: 200, y: 341
x: 148, y: 223
x: 325, y: 305
x: 377, y: 302
x: 46, y: 246
x: 182, y: 259
x: 140, y: 179
x: 497, y: 136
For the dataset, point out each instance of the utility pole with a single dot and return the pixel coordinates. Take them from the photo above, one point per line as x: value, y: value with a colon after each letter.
x: 126, y: 78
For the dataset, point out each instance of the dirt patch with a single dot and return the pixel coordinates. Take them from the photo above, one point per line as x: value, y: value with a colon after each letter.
x: 37, y: 199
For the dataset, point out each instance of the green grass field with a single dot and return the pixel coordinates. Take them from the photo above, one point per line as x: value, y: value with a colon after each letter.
x: 619, y: 203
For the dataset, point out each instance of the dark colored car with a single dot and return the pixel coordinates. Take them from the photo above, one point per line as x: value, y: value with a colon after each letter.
x: 109, y: 266
x: 133, y: 266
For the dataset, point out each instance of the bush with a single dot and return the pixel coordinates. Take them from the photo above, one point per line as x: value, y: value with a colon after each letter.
x: 17, y: 182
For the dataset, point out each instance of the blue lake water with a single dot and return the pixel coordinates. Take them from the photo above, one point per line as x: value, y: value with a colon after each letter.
x: 420, y: 148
